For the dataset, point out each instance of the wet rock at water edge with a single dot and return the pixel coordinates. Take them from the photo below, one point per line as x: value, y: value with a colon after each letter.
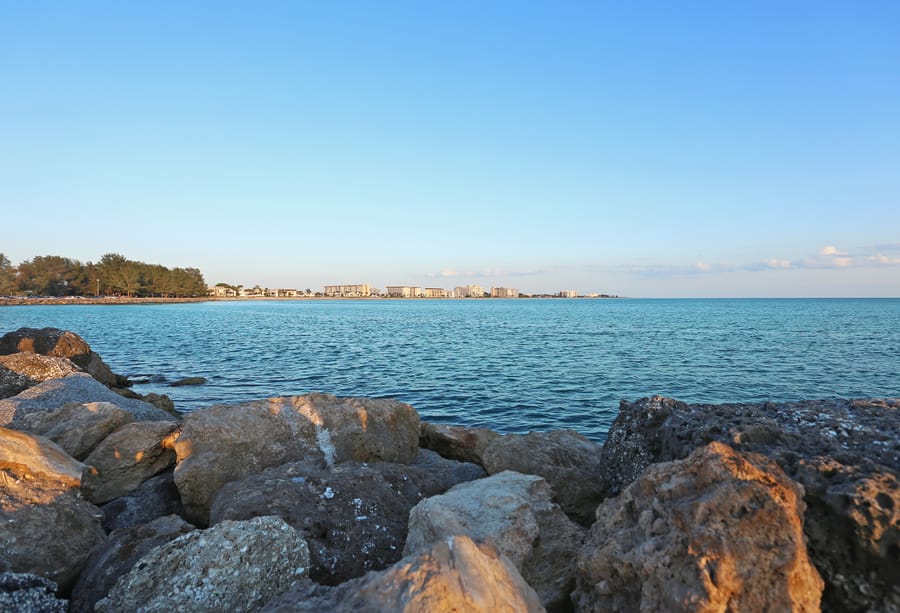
x: 188, y: 381
x: 456, y: 442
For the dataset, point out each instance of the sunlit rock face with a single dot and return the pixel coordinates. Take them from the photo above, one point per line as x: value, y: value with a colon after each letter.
x: 454, y: 574
x: 717, y: 531
x: 845, y: 454
x: 228, y: 442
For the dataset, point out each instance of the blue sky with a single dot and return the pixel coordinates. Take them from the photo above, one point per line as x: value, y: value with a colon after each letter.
x: 637, y: 148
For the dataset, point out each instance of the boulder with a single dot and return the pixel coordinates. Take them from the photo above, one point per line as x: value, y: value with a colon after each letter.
x: 228, y: 442
x: 189, y: 381
x: 119, y: 555
x: 155, y: 497
x: 234, y: 566
x: 515, y: 514
x: 46, y: 528
x: 13, y: 383
x: 456, y: 442
x: 845, y: 453
x: 26, y: 593
x: 718, y: 531
x: 352, y: 516
x: 38, y: 367
x: 77, y: 428
x: 455, y: 574
x: 61, y: 344
x: 569, y: 462
x: 437, y: 474
x: 127, y: 457
x: 75, y: 388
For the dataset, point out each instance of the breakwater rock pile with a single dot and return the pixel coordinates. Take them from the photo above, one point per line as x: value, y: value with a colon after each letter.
x: 314, y: 503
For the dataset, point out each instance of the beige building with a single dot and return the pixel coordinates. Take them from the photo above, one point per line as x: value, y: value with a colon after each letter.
x: 504, y: 292
x: 404, y: 291
x: 348, y: 291
x: 469, y: 291
x: 435, y: 292
x: 568, y: 293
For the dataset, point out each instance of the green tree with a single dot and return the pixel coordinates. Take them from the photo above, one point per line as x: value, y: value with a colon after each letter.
x: 7, y: 276
x: 118, y: 275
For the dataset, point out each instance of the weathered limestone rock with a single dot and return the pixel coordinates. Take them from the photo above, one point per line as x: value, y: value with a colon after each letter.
x: 38, y: 367
x: 26, y: 593
x: 127, y: 457
x: 155, y: 497
x: 119, y: 555
x: 45, y: 527
x: 515, y: 514
x: 569, y: 462
x: 228, y: 442
x: 77, y: 428
x: 845, y: 453
x: 352, y: 516
x: 13, y: 383
x: 718, y: 531
x: 456, y: 442
x: 452, y: 575
x: 61, y: 344
x: 438, y: 474
x: 76, y: 388
x: 234, y: 566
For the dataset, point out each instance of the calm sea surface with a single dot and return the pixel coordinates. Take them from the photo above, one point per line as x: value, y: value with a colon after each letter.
x: 511, y: 365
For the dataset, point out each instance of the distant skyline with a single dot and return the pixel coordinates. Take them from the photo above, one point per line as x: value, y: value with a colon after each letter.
x: 639, y: 149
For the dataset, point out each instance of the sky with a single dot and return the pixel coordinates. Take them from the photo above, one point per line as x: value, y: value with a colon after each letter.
x: 647, y: 149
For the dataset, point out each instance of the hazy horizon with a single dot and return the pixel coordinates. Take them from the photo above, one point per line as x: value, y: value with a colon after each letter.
x: 694, y: 150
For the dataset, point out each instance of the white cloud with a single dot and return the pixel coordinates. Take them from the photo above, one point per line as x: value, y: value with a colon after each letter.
x: 832, y: 251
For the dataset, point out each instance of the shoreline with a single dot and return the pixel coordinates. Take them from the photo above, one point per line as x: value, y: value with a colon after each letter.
x: 97, y: 300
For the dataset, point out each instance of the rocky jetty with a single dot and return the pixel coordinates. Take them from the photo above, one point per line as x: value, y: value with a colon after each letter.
x: 314, y: 503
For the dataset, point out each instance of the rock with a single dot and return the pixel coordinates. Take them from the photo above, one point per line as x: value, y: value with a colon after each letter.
x: 39, y: 458
x: 13, y: 383
x: 515, y: 514
x: 161, y: 401
x: 45, y: 527
x: 718, y: 531
x: 127, y: 457
x: 234, y: 566
x: 352, y: 516
x: 439, y: 474
x: 77, y: 428
x: 845, y: 453
x: 569, y: 462
x: 227, y: 442
x: 39, y: 367
x: 119, y: 555
x: 189, y: 381
x: 155, y: 497
x: 456, y: 442
x: 26, y: 593
x: 61, y: 344
x: 76, y: 388
x: 452, y: 575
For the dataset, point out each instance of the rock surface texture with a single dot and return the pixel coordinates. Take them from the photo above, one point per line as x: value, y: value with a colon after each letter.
x: 718, y: 531
x: 515, y: 514
x: 155, y: 497
x: 455, y: 574
x: 456, y: 442
x: 77, y: 428
x: 25, y: 593
x: 235, y: 566
x: 228, y: 442
x: 569, y: 462
x: 846, y: 454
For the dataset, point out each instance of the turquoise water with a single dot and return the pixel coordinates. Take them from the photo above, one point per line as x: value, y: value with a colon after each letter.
x: 512, y: 365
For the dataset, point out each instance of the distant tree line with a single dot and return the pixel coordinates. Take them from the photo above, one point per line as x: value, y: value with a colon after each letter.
x: 113, y: 275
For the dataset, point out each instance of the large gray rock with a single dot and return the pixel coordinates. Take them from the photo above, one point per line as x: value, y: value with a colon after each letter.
x: 515, y: 514
x: 46, y: 528
x: 75, y: 388
x: 569, y: 462
x: 718, y: 531
x: 118, y: 556
x: 38, y: 367
x: 456, y: 442
x: 234, y: 566
x: 26, y: 593
x: 128, y: 457
x: 155, y: 497
x: 352, y: 516
x: 845, y: 453
x: 228, y: 442
x: 58, y: 343
x: 455, y: 574
x: 77, y: 428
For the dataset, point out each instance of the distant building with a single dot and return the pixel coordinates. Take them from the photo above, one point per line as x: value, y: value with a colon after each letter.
x: 223, y: 291
x: 568, y: 293
x: 404, y: 291
x: 469, y: 291
x: 435, y: 292
x: 347, y: 291
x: 504, y: 292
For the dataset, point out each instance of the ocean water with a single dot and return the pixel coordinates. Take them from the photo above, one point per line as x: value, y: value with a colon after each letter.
x: 511, y: 365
